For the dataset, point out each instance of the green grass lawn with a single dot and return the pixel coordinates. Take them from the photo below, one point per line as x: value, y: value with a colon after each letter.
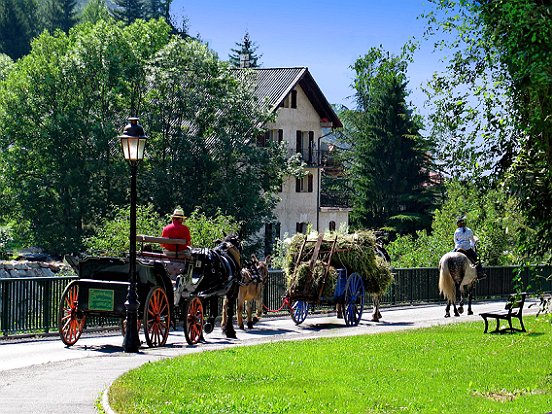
x: 449, y: 369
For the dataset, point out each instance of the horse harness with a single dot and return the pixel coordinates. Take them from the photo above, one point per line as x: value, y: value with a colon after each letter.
x: 256, y: 275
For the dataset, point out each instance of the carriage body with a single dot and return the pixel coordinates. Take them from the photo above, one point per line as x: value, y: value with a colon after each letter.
x: 102, y: 290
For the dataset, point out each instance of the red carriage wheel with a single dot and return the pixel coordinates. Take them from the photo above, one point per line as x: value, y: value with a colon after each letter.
x: 193, y: 325
x: 157, y: 317
x: 70, y: 319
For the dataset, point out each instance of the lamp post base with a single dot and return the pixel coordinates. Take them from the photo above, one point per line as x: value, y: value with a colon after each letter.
x: 131, y: 342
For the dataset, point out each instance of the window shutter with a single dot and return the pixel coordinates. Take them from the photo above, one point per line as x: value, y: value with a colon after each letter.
x: 311, y: 146
x: 294, y: 98
x: 310, y: 188
x: 280, y: 136
x: 297, y: 185
x: 298, y: 141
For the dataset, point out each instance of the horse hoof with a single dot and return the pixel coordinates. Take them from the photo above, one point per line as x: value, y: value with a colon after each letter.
x: 249, y: 325
x: 231, y: 335
x: 447, y: 315
x: 456, y: 314
x: 255, y: 319
x: 242, y: 327
x: 461, y: 309
x: 470, y: 312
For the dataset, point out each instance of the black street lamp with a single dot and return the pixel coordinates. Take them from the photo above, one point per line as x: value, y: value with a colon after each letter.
x: 133, y: 142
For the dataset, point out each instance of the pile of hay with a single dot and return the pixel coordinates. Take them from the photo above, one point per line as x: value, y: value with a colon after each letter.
x: 354, y: 252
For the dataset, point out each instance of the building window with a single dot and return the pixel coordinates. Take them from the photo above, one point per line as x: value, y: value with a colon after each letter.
x: 301, y: 228
x: 272, y: 232
x: 304, y: 184
x: 274, y: 135
x: 290, y: 100
x: 304, y: 145
x: 332, y: 225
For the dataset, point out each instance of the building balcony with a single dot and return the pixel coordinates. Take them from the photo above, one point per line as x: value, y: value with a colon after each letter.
x: 317, y: 158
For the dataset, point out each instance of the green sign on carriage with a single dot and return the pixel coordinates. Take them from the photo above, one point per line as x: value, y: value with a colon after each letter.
x: 101, y: 299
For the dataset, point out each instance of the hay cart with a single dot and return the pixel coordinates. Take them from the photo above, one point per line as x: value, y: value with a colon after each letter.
x: 169, y: 289
x: 348, y: 295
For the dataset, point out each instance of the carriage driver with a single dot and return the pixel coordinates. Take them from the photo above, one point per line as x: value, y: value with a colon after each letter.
x: 464, y: 241
x: 176, y: 230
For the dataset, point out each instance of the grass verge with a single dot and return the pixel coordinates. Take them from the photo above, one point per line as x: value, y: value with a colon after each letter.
x: 448, y: 369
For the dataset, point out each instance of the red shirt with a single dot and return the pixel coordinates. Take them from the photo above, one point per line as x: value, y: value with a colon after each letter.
x: 176, y: 230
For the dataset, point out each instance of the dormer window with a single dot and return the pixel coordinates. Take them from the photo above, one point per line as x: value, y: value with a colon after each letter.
x: 290, y: 101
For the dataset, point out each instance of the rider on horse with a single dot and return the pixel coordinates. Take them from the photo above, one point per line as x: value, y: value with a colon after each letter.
x: 464, y: 242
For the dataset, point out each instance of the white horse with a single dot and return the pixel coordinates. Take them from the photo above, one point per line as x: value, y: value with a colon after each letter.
x: 456, y: 272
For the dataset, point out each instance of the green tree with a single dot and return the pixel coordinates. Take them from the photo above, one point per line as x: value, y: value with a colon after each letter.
x: 59, y: 14
x: 206, y: 119
x: 19, y: 23
x: 128, y: 11
x: 495, y: 98
x: 63, y: 105
x: 244, y: 55
x: 156, y: 9
x: 490, y: 214
x: 390, y: 158
x: 94, y: 11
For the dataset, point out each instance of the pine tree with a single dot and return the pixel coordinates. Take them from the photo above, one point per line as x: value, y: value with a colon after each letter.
x: 244, y: 55
x: 19, y: 23
x: 94, y: 11
x: 154, y: 9
x: 128, y: 11
x: 59, y: 14
x: 391, y: 163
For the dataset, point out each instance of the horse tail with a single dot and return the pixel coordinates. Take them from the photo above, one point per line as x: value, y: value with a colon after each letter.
x: 446, y: 283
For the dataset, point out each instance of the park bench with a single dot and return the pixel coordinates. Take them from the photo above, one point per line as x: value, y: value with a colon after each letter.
x: 513, y: 309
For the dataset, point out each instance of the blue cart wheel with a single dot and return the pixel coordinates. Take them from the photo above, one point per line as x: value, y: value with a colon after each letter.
x: 354, y: 300
x: 299, y: 311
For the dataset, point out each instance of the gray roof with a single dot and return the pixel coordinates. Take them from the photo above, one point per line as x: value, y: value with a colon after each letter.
x: 274, y: 84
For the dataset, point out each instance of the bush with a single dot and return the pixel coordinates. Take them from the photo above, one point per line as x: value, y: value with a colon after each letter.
x: 112, y: 236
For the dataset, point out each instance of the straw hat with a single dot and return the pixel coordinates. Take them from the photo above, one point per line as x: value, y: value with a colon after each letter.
x: 178, y: 213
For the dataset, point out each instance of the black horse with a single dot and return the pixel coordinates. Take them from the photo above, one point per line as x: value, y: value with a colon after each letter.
x: 216, y: 273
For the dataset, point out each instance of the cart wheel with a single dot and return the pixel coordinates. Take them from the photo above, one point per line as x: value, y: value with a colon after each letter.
x: 299, y: 311
x: 354, y: 300
x: 193, y: 325
x: 70, y: 319
x: 157, y: 317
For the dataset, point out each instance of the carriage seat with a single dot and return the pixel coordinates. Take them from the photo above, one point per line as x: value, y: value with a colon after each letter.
x: 145, y: 250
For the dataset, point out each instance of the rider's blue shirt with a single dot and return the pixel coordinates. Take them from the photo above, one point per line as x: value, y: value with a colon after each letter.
x: 463, y: 238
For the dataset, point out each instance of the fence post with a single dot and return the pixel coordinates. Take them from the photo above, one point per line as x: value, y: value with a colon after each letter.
x: 5, y: 307
x: 46, y: 307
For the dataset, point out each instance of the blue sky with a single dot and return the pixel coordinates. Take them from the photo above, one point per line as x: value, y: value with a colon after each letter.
x: 326, y: 36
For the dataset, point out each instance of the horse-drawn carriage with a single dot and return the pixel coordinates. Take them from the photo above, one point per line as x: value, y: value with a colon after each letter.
x: 184, y: 288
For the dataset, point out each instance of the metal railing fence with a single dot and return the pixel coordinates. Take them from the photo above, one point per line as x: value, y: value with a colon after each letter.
x: 31, y: 305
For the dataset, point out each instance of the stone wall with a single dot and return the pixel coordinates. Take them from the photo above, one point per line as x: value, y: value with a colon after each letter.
x: 18, y: 268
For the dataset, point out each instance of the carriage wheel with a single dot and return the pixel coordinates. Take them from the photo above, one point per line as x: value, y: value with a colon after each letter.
x: 70, y: 319
x: 299, y: 311
x: 354, y: 300
x: 193, y: 325
x: 157, y: 317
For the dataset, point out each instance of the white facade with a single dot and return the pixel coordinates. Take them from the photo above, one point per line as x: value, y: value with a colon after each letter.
x: 299, y: 206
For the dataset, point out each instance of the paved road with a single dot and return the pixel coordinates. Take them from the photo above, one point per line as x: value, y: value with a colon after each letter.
x: 43, y: 376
